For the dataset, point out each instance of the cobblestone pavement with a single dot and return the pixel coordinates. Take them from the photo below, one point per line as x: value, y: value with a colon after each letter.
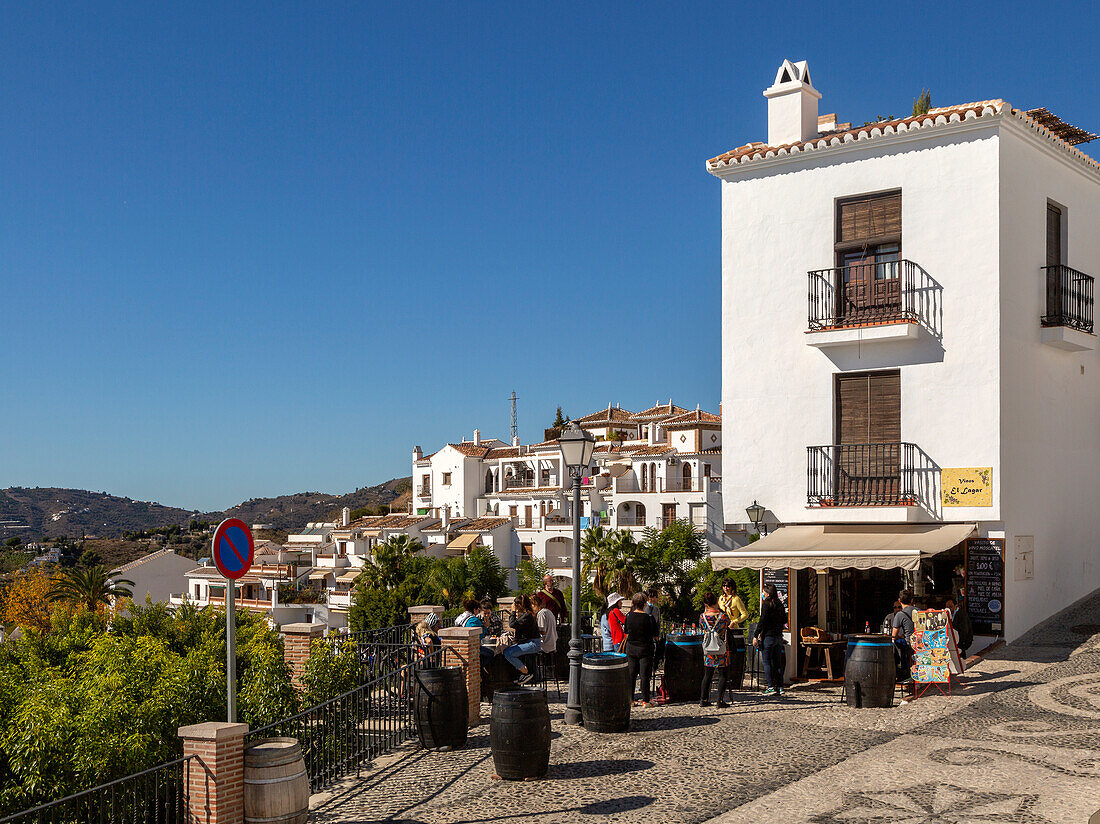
x: 1017, y: 744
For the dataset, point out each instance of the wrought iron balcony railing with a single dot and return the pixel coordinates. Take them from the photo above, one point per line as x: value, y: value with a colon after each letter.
x: 863, y: 474
x: 865, y: 294
x: 1069, y: 298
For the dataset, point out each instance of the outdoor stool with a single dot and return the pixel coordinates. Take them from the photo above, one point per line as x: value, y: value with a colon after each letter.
x: 547, y: 664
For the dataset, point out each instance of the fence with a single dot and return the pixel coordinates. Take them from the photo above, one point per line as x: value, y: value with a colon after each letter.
x: 341, y: 734
x: 153, y: 796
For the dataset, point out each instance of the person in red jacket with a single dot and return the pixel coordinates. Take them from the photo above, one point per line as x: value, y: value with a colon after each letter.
x: 616, y: 620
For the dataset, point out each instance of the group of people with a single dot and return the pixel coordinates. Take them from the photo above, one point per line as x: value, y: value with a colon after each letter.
x: 634, y: 630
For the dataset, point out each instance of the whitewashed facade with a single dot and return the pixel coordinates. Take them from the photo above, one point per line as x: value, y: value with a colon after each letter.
x: 987, y: 375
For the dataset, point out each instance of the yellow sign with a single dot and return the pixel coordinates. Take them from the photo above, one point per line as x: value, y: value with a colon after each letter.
x: 968, y: 486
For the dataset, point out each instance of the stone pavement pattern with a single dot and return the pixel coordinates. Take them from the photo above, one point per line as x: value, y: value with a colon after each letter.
x: 1020, y: 744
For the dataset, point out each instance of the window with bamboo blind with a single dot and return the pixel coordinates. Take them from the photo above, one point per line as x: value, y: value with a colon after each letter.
x: 868, y: 407
x: 868, y: 220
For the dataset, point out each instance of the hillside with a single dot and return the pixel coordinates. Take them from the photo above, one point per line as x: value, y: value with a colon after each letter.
x: 40, y: 513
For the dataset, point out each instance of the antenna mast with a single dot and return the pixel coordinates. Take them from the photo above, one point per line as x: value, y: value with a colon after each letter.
x: 515, y: 427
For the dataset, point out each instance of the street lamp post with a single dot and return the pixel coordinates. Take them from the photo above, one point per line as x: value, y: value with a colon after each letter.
x: 576, y: 447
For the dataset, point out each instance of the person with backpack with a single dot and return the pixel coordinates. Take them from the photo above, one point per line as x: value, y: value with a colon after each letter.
x: 714, y: 622
x: 769, y: 638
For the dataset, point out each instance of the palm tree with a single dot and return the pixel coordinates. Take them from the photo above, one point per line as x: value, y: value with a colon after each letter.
x: 608, y: 560
x: 451, y: 580
x: 384, y: 569
x: 89, y: 587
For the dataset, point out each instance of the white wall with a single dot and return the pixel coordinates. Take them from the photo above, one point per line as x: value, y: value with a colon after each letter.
x: 778, y: 224
x: 159, y: 577
x: 1051, y: 410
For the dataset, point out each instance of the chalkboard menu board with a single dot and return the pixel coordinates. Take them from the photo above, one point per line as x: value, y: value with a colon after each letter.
x: 985, y: 584
x: 782, y: 580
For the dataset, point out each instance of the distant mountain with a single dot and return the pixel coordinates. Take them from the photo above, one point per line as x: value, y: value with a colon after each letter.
x: 34, y: 514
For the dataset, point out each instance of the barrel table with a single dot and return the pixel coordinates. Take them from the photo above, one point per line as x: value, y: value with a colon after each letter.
x: 869, y: 673
x: 735, y: 670
x: 519, y: 734
x: 440, y: 708
x: 276, y: 786
x: 684, y: 666
x: 605, y: 692
x: 496, y: 674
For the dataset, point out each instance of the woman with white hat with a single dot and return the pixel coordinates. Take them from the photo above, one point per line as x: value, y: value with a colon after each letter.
x: 611, y: 623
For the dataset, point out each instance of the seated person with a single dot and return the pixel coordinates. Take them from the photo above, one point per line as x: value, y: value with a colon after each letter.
x: 426, y: 635
x: 490, y: 619
x: 547, y: 621
x: 527, y: 640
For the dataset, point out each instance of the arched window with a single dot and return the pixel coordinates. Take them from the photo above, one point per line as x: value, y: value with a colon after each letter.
x: 645, y: 479
x: 488, y: 480
x: 687, y: 476
x: 653, y: 477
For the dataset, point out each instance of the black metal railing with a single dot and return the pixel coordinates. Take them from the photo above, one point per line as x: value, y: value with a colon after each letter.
x: 153, y: 796
x: 339, y: 735
x: 1069, y: 298
x: 862, y: 474
x: 519, y: 482
x: 424, y: 491
x: 870, y: 293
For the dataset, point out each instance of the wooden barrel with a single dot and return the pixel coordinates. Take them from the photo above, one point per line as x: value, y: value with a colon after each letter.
x: 605, y: 692
x: 684, y: 667
x: 735, y: 670
x: 519, y: 734
x: 276, y: 786
x: 441, y: 707
x: 497, y: 674
x: 869, y: 672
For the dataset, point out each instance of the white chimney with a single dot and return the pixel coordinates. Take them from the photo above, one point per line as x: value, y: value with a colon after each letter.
x: 345, y: 516
x: 792, y: 105
x: 515, y: 441
x: 418, y: 453
x: 477, y: 437
x: 446, y: 517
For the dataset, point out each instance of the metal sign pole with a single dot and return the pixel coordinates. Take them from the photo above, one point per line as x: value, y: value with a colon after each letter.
x: 231, y: 650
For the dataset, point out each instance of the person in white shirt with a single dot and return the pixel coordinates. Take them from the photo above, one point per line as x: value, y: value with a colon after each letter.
x: 548, y: 623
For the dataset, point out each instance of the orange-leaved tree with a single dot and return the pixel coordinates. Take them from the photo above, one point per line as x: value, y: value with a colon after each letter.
x: 27, y: 602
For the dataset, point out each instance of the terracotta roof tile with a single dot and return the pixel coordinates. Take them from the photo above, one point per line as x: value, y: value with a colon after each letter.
x: 483, y: 524
x: 612, y: 414
x: 470, y: 450
x: 936, y: 117
x: 661, y: 410
x: 698, y: 416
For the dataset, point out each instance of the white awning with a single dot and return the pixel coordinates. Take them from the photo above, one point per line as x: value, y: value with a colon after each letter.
x: 464, y: 542
x: 350, y: 574
x: 320, y: 574
x: 845, y: 546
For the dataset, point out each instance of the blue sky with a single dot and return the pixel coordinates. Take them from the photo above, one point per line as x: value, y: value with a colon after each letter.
x: 247, y: 250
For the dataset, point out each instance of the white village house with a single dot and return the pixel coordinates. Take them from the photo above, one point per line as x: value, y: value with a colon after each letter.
x: 916, y: 297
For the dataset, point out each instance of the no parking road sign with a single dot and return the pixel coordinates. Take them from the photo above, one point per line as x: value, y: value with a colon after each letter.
x: 233, y: 553
x: 233, y: 548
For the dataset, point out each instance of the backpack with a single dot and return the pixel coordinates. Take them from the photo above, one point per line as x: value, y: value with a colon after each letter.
x: 713, y: 643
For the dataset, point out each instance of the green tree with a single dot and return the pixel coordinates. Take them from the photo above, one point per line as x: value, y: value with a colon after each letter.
x: 90, y: 558
x: 391, y: 562
x: 923, y: 103
x: 331, y: 669
x: 450, y: 580
x: 669, y: 557
x: 608, y: 560
x: 89, y: 588
x: 375, y: 606
x: 560, y: 420
x: 13, y: 542
x: 530, y: 573
x: 486, y: 577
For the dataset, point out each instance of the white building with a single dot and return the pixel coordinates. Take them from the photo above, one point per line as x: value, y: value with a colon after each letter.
x: 911, y: 295
x: 156, y: 575
x: 651, y: 468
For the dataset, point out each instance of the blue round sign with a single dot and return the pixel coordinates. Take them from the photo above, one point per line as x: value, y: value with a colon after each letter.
x: 233, y: 548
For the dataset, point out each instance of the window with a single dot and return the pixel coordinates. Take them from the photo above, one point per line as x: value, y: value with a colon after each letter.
x: 513, y: 511
x: 527, y: 552
x: 868, y: 251
x: 868, y: 456
x: 446, y: 478
x: 341, y: 548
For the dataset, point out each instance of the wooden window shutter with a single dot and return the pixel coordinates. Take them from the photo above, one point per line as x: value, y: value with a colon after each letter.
x: 1054, y: 235
x: 884, y: 418
x: 868, y: 408
x: 851, y: 408
x: 869, y: 218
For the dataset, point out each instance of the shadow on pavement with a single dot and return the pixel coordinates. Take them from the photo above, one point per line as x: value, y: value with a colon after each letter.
x: 605, y: 807
x: 670, y: 722
x: 595, y: 769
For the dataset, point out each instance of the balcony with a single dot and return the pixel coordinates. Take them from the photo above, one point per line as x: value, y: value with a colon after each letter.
x: 863, y: 474
x: 1068, y: 322
x: 630, y: 520
x: 864, y: 302
x: 340, y: 600
x: 518, y: 482
x: 424, y: 491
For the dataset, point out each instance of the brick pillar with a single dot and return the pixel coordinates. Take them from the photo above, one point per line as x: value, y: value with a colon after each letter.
x: 297, y: 639
x: 466, y: 642
x: 419, y: 613
x: 214, y: 780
